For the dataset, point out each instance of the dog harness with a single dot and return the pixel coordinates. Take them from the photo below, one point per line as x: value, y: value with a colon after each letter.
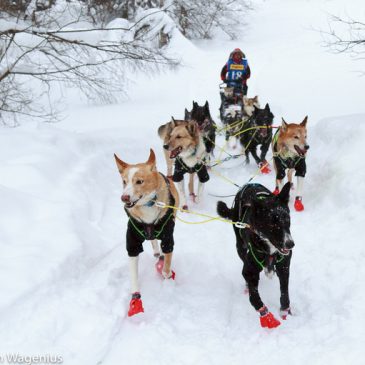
x: 181, y: 169
x: 138, y: 232
x: 261, y: 258
x: 297, y: 163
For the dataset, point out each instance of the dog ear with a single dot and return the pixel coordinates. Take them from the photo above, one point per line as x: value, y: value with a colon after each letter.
x: 304, y: 123
x: 194, y: 104
x: 173, y: 123
x: 284, y: 194
x: 245, y: 98
x: 186, y: 112
x: 120, y: 164
x: 267, y: 106
x: 152, y: 160
x: 206, y: 105
x: 284, y: 125
x: 192, y: 127
x: 256, y: 99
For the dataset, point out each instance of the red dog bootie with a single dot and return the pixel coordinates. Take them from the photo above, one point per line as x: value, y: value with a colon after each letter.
x: 264, y: 167
x: 276, y: 191
x: 267, y: 319
x: 135, y: 305
x: 298, y: 205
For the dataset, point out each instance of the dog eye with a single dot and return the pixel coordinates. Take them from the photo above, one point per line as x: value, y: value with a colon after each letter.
x: 139, y: 182
x: 124, y: 183
x: 296, y: 137
x: 178, y: 137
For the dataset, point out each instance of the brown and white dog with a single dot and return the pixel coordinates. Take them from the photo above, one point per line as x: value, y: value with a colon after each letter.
x: 164, y: 132
x: 185, y: 144
x: 289, y: 151
x: 148, y: 198
x: 249, y: 105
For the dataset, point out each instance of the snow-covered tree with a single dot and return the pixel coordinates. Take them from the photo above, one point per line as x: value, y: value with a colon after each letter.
x: 346, y: 35
x: 202, y: 18
x: 60, y: 46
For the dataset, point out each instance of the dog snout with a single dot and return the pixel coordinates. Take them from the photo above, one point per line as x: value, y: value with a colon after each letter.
x: 126, y: 198
x: 288, y: 241
x: 306, y: 147
x: 289, y: 244
x: 166, y: 146
x: 263, y: 132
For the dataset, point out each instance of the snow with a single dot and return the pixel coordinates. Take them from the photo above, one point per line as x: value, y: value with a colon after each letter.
x: 64, y: 274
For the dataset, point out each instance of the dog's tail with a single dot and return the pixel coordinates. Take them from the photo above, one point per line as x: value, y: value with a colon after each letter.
x: 223, y: 210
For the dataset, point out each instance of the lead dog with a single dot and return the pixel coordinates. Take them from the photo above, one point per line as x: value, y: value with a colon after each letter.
x: 289, y: 150
x: 187, y: 147
x: 263, y: 242
x: 143, y: 187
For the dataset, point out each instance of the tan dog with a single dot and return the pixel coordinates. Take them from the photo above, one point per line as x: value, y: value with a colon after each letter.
x: 144, y: 189
x: 249, y: 105
x: 186, y: 146
x: 164, y: 132
x: 289, y: 151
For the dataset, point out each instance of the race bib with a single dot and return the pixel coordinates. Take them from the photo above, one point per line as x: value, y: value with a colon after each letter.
x: 237, y: 67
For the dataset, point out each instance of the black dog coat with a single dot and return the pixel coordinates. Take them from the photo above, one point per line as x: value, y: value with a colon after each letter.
x: 163, y: 229
x: 181, y: 169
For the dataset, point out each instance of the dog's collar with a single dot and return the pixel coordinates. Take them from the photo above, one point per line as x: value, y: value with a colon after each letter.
x: 151, y: 203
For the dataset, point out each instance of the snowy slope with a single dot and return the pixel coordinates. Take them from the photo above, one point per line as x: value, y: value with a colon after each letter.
x: 64, y: 273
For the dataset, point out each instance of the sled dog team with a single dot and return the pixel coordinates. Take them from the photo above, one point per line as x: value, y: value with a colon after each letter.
x: 260, y: 218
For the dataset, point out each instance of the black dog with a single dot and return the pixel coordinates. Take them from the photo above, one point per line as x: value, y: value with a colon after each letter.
x: 261, y: 118
x: 201, y: 114
x: 263, y: 241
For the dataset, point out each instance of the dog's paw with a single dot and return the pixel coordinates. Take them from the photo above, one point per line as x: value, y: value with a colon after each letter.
x: 135, y: 305
x: 267, y: 319
x: 264, y: 167
x: 276, y: 191
x: 159, y: 264
x: 298, y: 205
x: 284, y: 313
x: 170, y: 275
x: 185, y: 207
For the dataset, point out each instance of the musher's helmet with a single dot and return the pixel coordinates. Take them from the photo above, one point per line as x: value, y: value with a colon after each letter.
x: 237, y: 55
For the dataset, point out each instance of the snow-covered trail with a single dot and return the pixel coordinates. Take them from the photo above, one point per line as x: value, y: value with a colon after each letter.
x: 64, y: 274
